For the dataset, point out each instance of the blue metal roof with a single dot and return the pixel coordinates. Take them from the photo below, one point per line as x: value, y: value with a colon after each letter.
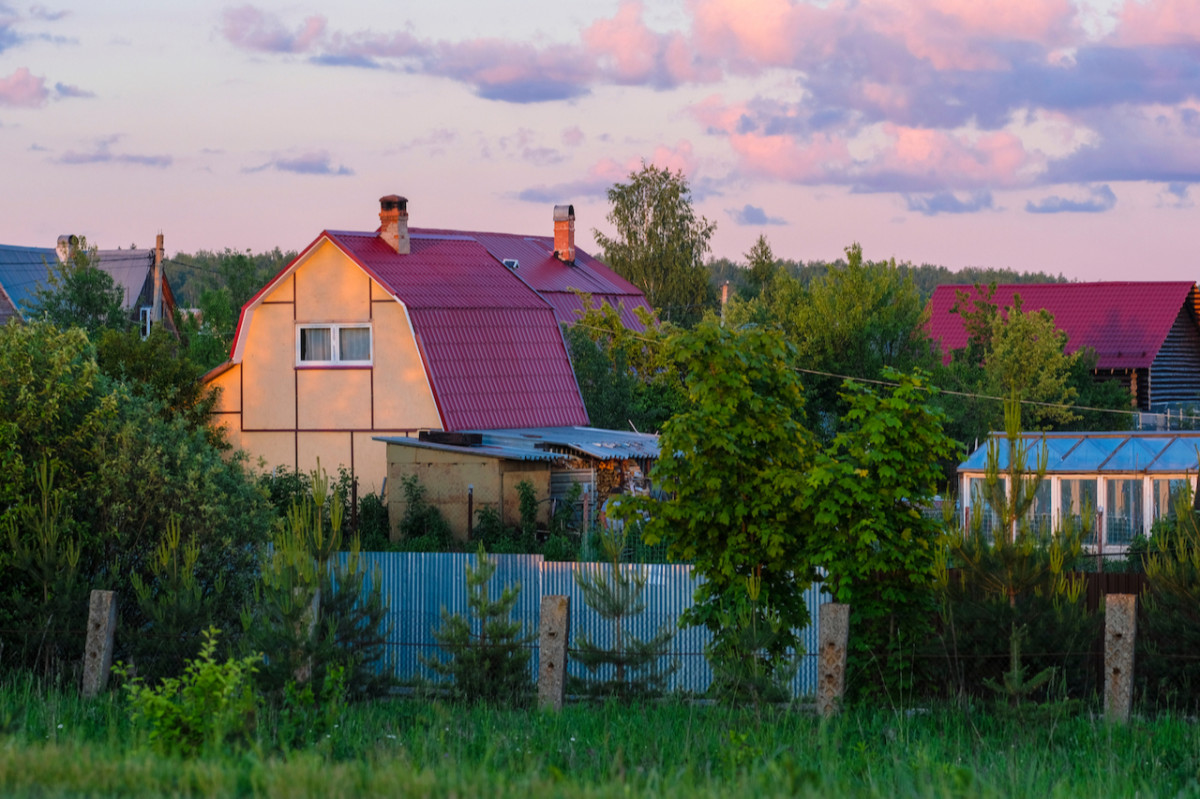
x: 591, y: 441
x: 547, y: 443
x: 1149, y: 452
x: 486, y: 451
x: 23, y: 270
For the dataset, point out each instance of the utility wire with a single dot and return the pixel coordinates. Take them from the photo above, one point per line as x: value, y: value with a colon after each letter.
x: 892, y: 383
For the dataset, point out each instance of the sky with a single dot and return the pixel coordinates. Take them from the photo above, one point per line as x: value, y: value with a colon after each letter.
x: 1053, y: 135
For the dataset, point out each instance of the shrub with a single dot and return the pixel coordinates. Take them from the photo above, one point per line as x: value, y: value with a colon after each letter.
x: 210, y: 705
x: 422, y: 520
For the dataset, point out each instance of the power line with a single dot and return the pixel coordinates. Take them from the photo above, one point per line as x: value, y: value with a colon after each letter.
x: 893, y: 384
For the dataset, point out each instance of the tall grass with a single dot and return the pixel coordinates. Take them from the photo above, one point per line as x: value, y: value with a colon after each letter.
x: 54, y: 744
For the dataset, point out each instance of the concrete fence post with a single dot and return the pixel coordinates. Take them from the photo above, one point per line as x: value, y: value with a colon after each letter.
x: 833, y: 638
x: 1120, y: 634
x: 98, y: 650
x: 554, y: 631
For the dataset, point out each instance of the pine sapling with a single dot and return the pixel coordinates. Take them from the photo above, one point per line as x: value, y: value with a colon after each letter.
x: 632, y: 666
x: 488, y: 649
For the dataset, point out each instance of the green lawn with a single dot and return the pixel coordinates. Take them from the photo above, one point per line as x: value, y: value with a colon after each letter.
x: 54, y: 744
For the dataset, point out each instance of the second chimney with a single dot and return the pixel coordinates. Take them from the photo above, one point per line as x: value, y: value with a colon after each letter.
x: 564, y: 233
x: 393, y: 222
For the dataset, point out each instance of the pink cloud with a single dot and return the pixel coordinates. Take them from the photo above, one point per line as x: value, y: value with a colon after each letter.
x: 948, y: 33
x: 573, y: 136
x: 1158, y: 22
x: 820, y: 159
x: 626, y: 46
x: 752, y: 34
x: 252, y: 29
x: 23, y: 89
x: 952, y: 160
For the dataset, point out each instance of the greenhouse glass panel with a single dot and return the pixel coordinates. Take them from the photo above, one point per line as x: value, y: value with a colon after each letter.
x: 1079, y: 505
x: 1123, y: 512
x: 1039, y: 517
x: 980, y: 512
x: 1163, y: 494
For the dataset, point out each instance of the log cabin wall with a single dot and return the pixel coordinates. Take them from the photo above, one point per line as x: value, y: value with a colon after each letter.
x: 1175, y: 374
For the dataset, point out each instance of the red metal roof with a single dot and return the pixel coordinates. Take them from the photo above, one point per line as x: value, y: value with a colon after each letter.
x: 492, y: 347
x: 558, y: 281
x: 1125, y: 323
x: 492, y: 368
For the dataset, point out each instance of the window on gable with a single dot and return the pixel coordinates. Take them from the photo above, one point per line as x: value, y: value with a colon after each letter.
x: 333, y: 345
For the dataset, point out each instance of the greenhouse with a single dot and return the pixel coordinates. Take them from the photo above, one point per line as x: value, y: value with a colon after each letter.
x: 1115, y: 484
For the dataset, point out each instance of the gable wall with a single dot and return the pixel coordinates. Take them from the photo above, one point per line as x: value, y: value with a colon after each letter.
x: 286, y: 414
x: 1175, y: 374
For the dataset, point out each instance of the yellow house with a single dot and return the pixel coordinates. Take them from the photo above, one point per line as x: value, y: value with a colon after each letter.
x: 393, y: 332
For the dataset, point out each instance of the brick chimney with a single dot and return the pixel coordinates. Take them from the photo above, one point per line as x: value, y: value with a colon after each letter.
x: 564, y: 233
x: 393, y: 222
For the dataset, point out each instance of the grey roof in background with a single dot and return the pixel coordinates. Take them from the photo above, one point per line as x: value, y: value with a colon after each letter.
x: 130, y: 269
x: 547, y: 443
x: 1145, y: 452
x: 23, y: 270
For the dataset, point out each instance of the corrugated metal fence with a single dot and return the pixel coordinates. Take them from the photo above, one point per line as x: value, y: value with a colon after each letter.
x: 417, y: 586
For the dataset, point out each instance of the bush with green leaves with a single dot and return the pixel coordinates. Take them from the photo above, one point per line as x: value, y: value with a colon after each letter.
x: 422, y: 528
x: 870, y: 487
x: 488, y: 650
x: 126, y: 466
x: 209, y: 707
x: 43, y: 561
x: 734, y: 467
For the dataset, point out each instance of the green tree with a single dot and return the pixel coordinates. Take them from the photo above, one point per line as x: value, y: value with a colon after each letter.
x: 80, y: 294
x: 855, y: 320
x: 660, y: 242
x: 158, y: 367
x: 1015, y: 575
x: 315, y: 611
x: 624, y: 376
x: 872, y: 488
x: 1011, y: 350
x: 733, y: 464
x: 761, y: 266
x: 488, y: 649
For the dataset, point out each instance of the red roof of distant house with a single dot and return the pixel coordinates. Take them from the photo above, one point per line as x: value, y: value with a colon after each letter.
x: 1125, y: 323
x: 557, y: 281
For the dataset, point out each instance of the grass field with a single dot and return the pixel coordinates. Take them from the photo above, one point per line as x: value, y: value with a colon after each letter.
x: 55, y: 744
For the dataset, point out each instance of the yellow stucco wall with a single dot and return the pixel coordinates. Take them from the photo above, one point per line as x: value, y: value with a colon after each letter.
x: 284, y: 414
x: 446, y: 476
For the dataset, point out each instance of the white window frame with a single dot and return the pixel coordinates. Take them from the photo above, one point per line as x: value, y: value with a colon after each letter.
x: 335, y: 329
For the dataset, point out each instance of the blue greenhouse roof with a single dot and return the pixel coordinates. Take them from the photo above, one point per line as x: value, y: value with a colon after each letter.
x: 1152, y: 452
